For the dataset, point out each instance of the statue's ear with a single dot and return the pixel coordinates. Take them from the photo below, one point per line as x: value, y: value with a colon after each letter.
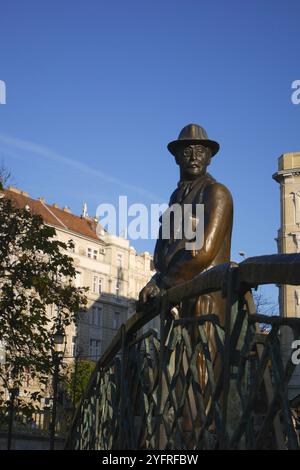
x: 209, y: 156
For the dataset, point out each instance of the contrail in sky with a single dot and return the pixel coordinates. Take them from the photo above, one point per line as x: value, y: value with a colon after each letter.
x: 45, y: 152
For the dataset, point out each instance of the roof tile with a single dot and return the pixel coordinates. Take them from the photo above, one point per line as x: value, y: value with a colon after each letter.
x: 54, y: 215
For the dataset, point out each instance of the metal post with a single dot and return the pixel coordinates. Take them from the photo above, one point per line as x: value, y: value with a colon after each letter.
x: 159, y: 433
x: 230, y: 403
x: 13, y: 393
x: 54, y: 405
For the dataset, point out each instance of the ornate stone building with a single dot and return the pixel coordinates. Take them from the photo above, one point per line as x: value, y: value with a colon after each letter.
x: 106, y: 264
x: 288, y: 241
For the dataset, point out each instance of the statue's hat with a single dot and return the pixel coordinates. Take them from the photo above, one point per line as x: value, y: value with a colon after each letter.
x: 193, y: 134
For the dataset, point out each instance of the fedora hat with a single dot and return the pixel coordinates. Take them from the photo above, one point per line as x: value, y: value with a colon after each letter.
x: 193, y: 134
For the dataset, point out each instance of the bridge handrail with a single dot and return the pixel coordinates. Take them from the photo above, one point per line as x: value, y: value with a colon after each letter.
x: 258, y: 270
x: 254, y: 271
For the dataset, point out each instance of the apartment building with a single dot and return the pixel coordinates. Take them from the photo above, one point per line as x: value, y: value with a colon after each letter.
x: 112, y: 270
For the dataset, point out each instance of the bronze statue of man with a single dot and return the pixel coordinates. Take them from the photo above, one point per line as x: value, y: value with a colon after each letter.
x: 175, y: 264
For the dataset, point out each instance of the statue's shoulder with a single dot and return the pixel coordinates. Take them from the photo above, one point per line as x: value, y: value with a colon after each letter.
x: 208, y: 185
x: 173, y: 197
x: 218, y: 190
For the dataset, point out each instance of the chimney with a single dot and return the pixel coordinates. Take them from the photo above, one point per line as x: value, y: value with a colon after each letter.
x: 17, y: 191
x: 55, y: 205
x: 84, y: 210
x: 67, y: 209
x: 42, y: 199
x: 14, y: 190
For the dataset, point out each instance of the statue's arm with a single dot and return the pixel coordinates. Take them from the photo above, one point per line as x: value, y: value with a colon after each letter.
x: 154, y: 286
x: 151, y: 290
x: 218, y: 213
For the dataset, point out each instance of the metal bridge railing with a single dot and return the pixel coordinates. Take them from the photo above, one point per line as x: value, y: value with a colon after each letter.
x: 199, y: 384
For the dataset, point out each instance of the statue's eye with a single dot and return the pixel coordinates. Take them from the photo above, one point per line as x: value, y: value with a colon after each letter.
x: 187, y: 152
x: 200, y: 153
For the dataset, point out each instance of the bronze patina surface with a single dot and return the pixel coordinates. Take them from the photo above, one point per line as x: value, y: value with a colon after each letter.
x: 173, y: 263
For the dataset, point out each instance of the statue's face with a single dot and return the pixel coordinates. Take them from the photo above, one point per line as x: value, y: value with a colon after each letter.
x: 193, y: 160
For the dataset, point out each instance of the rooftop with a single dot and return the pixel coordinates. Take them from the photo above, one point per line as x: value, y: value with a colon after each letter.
x: 52, y: 214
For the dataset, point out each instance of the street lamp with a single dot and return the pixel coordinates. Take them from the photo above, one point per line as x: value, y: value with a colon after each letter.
x: 13, y: 394
x: 58, y: 353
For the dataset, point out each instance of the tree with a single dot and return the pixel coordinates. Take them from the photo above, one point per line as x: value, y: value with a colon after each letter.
x: 265, y: 305
x: 5, y: 176
x: 36, y: 275
x: 76, y: 379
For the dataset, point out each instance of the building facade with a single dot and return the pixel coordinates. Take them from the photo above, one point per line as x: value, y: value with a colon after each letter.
x: 288, y: 241
x: 112, y: 270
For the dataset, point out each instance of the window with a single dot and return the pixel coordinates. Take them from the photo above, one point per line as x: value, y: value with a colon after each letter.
x: 117, y: 320
x: 78, y: 279
x: 95, y: 349
x: 72, y: 248
x: 119, y: 260
x: 92, y: 253
x: 118, y: 287
x: 74, y: 345
x: 96, y: 316
x: 97, y: 285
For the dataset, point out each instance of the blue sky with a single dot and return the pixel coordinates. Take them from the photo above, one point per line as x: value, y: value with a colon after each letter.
x: 96, y: 90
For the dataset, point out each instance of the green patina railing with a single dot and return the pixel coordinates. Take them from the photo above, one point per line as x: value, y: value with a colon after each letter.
x: 197, y: 385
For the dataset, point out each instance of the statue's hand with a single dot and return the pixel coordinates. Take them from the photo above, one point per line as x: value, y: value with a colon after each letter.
x: 147, y: 294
